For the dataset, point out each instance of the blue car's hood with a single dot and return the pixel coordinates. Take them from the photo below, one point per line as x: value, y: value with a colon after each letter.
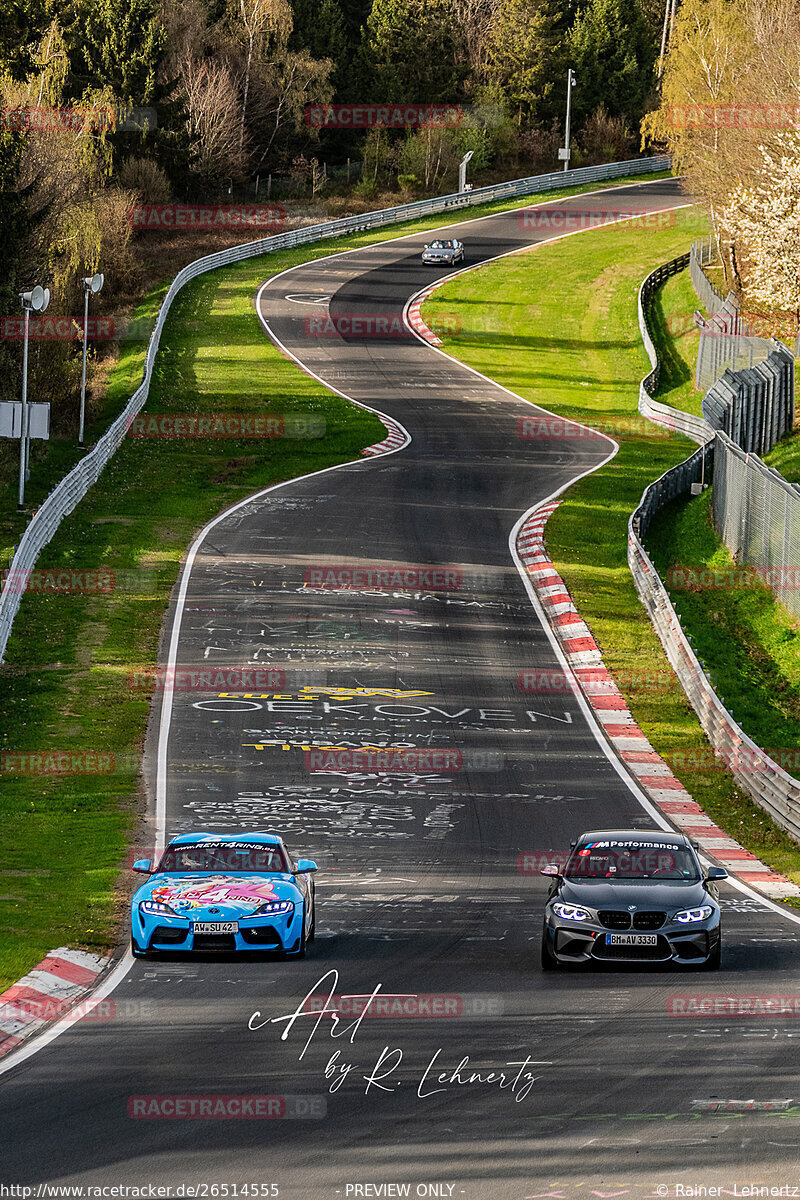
x: 217, y: 895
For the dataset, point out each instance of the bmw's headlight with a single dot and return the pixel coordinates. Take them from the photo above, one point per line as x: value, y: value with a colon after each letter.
x: 155, y: 906
x: 694, y: 914
x: 570, y: 912
x: 274, y: 906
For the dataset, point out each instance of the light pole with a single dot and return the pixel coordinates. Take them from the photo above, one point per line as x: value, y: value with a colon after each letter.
x: 462, y: 171
x: 566, y: 151
x: 33, y: 301
x: 91, y: 285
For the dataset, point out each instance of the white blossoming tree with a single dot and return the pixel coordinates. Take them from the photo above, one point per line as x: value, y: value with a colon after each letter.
x: 765, y: 216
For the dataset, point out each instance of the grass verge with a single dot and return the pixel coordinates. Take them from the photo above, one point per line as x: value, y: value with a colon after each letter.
x: 577, y: 352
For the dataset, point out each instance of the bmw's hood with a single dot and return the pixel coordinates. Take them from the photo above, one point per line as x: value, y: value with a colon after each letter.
x: 217, y: 896
x: 647, y: 894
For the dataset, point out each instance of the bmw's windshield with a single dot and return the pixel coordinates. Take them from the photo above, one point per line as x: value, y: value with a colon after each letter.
x: 223, y: 856
x: 612, y: 860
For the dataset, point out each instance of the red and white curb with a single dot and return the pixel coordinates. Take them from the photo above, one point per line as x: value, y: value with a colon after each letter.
x: 54, y: 988
x: 414, y: 317
x: 611, y: 711
x: 397, y: 437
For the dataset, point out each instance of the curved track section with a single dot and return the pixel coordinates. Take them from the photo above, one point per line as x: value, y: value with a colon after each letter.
x: 385, y: 593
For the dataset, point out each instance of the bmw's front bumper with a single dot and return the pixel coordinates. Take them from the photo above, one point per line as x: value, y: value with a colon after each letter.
x: 274, y: 932
x: 438, y: 259
x: 588, y: 941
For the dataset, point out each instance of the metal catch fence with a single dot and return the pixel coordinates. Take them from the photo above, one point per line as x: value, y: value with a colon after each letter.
x: 757, y: 515
x: 773, y: 788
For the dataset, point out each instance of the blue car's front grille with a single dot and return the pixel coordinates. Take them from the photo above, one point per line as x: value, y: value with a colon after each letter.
x: 169, y: 933
x: 261, y: 935
x: 214, y: 941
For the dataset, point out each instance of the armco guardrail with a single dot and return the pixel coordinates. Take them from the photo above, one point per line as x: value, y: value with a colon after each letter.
x: 74, y: 486
x: 777, y: 792
x: 663, y: 414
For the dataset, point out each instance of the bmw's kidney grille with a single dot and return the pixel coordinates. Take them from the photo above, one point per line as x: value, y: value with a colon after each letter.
x: 619, y: 919
x: 648, y: 920
x: 613, y: 919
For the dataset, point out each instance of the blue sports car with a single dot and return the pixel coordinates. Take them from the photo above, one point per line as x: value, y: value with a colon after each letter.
x: 224, y: 892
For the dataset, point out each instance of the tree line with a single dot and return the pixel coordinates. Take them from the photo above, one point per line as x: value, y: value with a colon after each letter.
x: 730, y: 115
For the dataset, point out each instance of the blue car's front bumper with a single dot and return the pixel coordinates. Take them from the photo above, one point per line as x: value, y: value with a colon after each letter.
x: 173, y: 934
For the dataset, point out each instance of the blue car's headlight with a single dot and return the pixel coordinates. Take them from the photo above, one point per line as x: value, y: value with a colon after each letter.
x: 155, y: 906
x: 570, y: 912
x: 274, y: 906
x: 694, y: 914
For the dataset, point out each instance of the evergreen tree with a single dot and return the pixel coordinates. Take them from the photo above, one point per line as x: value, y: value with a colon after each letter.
x: 526, y: 57
x: 116, y: 50
x: 119, y: 45
x: 411, y: 50
x: 613, y: 51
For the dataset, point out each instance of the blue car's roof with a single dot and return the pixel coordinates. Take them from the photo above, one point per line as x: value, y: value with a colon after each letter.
x: 191, y: 839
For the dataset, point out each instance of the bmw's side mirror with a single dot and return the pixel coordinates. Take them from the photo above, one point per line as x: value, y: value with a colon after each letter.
x: 303, y: 865
x: 550, y: 869
x: 716, y: 873
x: 143, y: 865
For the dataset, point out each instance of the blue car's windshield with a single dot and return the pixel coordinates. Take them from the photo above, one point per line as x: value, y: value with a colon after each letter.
x: 628, y: 860
x: 223, y: 856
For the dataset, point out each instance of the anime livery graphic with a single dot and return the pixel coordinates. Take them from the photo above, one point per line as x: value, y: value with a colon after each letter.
x: 224, y: 892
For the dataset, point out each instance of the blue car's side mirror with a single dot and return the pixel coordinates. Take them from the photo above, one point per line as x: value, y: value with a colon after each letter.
x: 715, y: 873
x: 142, y: 864
x: 550, y: 869
x: 303, y: 865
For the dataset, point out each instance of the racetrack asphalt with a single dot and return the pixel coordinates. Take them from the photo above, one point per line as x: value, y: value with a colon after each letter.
x: 419, y: 889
